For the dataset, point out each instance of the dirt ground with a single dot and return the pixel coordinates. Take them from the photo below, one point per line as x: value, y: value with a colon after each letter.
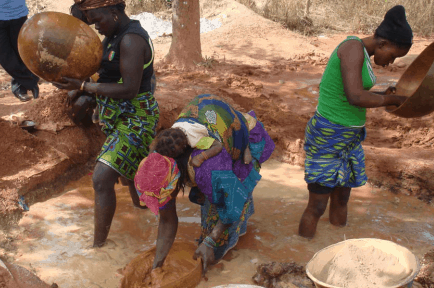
x: 255, y: 64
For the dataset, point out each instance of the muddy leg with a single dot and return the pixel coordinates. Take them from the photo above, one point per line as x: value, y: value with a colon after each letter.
x: 338, y: 206
x: 315, y: 209
x: 104, y: 179
x: 134, y: 195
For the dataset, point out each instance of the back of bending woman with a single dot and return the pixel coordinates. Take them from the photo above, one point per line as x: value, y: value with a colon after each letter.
x: 222, y: 185
x: 128, y: 110
x: 335, y: 160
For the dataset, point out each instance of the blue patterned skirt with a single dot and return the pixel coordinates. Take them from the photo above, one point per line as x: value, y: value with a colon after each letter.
x: 334, y: 154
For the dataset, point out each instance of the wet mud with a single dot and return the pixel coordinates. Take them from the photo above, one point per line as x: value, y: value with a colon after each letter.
x: 55, y: 236
x: 178, y: 271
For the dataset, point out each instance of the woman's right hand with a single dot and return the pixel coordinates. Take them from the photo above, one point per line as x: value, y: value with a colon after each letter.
x: 397, y: 100
x: 72, y: 96
x: 390, y: 90
x: 206, y: 254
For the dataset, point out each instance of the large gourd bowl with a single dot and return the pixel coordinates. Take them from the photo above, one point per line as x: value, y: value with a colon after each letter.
x: 55, y: 45
x: 417, y: 83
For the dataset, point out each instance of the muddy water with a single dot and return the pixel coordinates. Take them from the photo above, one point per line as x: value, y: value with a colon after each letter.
x: 56, y: 234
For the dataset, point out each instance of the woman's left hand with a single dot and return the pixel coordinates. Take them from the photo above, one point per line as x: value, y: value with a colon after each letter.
x: 207, y: 255
x: 69, y: 83
x: 390, y: 90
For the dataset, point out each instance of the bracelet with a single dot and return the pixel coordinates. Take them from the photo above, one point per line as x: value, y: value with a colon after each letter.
x: 82, y: 86
x: 209, y: 241
x: 204, y: 155
x: 207, y: 244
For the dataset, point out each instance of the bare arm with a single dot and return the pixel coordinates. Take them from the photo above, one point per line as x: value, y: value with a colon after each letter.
x: 215, y: 149
x: 218, y: 229
x: 352, y: 56
x: 167, y: 227
x: 134, y: 52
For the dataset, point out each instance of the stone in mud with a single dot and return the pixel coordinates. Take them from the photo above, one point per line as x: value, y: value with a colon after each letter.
x: 426, y: 275
x: 282, y: 275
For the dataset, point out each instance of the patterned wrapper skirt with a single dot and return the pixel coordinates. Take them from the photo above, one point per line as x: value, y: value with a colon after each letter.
x: 130, y: 127
x: 334, y: 154
x: 225, y: 189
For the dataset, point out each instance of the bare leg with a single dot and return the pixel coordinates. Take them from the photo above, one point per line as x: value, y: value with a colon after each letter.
x: 134, y: 195
x: 104, y: 179
x: 315, y: 209
x: 338, y: 206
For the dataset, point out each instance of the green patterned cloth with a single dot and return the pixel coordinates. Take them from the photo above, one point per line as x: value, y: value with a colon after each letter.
x: 223, y: 123
x: 130, y: 127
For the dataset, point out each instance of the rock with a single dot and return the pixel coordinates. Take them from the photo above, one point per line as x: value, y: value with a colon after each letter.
x: 401, y: 65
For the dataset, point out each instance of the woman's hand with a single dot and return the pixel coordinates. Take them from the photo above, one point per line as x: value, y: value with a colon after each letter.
x: 390, y: 90
x: 398, y: 100
x: 206, y: 254
x: 72, y: 96
x: 69, y: 84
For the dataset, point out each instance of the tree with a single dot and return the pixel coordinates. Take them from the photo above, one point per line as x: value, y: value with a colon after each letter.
x: 306, y: 8
x: 185, y: 49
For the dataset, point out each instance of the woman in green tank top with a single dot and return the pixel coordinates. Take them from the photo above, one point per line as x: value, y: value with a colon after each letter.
x: 335, y: 160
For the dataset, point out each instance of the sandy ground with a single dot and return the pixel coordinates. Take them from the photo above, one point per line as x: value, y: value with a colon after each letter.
x: 254, y: 64
x: 55, y: 236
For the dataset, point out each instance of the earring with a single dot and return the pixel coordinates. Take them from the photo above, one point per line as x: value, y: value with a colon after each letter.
x: 116, y: 18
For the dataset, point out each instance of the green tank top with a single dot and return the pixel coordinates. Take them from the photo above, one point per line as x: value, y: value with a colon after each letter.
x: 332, y: 102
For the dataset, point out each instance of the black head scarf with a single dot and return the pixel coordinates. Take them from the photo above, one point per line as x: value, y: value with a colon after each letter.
x: 395, y: 27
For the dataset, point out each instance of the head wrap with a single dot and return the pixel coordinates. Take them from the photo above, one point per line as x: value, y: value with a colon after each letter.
x: 94, y: 4
x: 395, y: 27
x: 155, y: 180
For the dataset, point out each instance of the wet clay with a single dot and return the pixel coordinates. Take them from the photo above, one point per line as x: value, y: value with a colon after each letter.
x: 359, y: 266
x: 179, y: 269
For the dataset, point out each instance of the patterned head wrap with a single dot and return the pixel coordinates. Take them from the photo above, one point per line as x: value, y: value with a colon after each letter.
x: 155, y: 180
x: 94, y: 4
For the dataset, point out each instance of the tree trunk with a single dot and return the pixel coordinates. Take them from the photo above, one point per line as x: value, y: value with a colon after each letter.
x: 185, y: 49
x: 306, y: 8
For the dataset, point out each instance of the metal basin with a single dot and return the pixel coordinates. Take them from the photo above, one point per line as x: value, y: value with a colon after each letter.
x: 54, y: 45
x: 417, y: 83
x: 320, y: 260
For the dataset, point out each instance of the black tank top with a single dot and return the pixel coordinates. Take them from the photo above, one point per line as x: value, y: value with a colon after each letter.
x: 110, y: 71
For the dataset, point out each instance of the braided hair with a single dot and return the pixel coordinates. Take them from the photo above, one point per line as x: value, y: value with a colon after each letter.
x: 173, y: 143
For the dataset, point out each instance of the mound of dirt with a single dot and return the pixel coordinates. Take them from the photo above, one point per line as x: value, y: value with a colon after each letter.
x: 50, y: 112
x: 14, y: 276
x: 282, y: 275
x: 42, y: 156
x: 18, y: 149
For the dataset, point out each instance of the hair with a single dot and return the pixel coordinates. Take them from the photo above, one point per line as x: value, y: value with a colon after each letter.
x: 173, y: 143
x: 398, y: 45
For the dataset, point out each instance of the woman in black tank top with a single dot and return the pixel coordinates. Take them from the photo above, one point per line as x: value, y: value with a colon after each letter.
x: 128, y: 111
